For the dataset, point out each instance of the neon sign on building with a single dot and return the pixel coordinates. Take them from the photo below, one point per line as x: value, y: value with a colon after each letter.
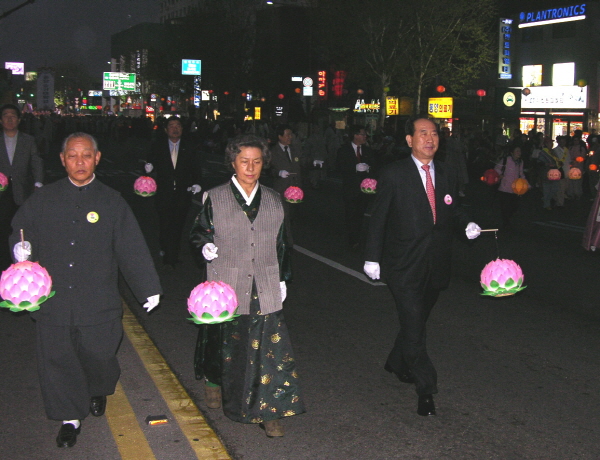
x: 553, y: 16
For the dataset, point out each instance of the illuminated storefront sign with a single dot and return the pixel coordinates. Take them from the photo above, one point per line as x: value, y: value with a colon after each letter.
x: 322, y: 84
x: 391, y: 105
x: 31, y: 76
x: 257, y: 113
x: 118, y: 81
x: 191, y: 67
x: 440, y: 107
x: 554, y: 97
x: 552, y: 16
x: 504, y: 49
x: 17, y: 68
x: 92, y: 93
x: 532, y: 75
x: 361, y: 107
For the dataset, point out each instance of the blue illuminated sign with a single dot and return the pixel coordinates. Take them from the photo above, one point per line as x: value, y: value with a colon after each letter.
x: 191, y: 67
x: 552, y: 15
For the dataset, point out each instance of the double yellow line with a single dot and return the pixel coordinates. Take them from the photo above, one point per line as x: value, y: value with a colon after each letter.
x: 130, y: 439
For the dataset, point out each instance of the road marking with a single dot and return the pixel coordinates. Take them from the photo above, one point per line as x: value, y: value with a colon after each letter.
x: 338, y: 266
x: 128, y: 435
x: 573, y: 228
x: 203, y: 440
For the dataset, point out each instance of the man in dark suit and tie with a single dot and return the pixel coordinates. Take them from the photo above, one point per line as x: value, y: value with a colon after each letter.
x: 176, y: 167
x: 21, y: 163
x: 412, y: 225
x: 355, y: 162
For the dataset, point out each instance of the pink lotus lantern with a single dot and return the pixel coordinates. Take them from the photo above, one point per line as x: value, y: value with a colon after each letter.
x: 3, y: 182
x: 293, y: 194
x: 368, y: 185
x: 501, y: 277
x: 144, y: 186
x: 212, y: 302
x: 24, y: 286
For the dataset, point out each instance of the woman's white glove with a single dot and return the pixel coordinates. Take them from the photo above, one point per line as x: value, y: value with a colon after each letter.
x: 284, y: 174
x: 283, y: 290
x: 148, y: 167
x: 318, y: 163
x: 152, y: 302
x: 209, y: 251
x: 473, y: 230
x: 372, y: 270
x: 22, y: 251
x: 362, y: 167
x: 195, y: 189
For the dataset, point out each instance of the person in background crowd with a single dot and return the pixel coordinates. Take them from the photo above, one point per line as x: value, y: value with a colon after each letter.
x: 510, y: 169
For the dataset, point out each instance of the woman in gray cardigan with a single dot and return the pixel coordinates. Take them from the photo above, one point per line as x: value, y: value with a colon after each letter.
x: 247, y: 363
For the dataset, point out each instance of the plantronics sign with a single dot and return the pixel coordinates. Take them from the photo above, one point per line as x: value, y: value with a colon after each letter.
x: 552, y: 15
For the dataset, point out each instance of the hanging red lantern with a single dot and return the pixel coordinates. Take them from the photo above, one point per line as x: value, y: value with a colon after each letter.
x: 481, y: 92
x: 280, y: 96
x: 593, y: 167
x: 579, y: 159
x: 440, y: 89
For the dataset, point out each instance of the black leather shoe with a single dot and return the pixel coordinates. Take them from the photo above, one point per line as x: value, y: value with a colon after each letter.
x: 67, y: 436
x: 98, y: 405
x: 426, y: 406
x: 404, y: 377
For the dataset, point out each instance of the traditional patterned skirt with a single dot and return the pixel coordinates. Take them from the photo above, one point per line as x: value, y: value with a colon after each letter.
x: 251, y: 357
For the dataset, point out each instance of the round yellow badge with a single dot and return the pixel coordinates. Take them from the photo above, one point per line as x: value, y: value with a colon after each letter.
x: 93, y: 217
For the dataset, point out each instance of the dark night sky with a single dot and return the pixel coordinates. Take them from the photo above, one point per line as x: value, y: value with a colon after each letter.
x: 51, y: 31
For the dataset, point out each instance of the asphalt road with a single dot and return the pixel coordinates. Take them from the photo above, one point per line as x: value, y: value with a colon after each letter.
x: 518, y: 376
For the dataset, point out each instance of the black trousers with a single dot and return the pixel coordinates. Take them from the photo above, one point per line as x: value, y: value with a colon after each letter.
x: 76, y: 363
x: 410, y: 348
x: 8, y: 209
x: 354, y: 211
x: 171, y: 220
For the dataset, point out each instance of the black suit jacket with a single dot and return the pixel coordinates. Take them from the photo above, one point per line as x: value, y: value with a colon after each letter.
x: 173, y: 183
x: 402, y: 236
x: 26, y: 169
x: 346, y: 164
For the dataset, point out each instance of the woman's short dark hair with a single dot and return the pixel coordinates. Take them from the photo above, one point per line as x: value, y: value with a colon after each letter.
x: 234, y: 148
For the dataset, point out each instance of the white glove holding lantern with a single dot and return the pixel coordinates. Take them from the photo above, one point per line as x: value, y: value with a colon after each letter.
x: 22, y: 251
x: 209, y: 251
x: 372, y: 270
x: 362, y: 167
x: 152, y: 302
x: 283, y: 290
x: 194, y: 189
x: 148, y: 167
x: 318, y: 163
x: 284, y: 174
x: 473, y: 230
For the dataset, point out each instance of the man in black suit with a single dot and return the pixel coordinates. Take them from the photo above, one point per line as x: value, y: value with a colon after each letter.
x: 413, y: 221
x: 355, y: 163
x: 21, y: 163
x: 178, y: 173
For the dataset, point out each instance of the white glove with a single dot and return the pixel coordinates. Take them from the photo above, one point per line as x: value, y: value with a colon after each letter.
x: 194, y: 189
x: 362, y: 167
x: 372, y: 270
x: 38, y: 185
x: 152, y: 302
x: 209, y: 251
x: 148, y: 167
x: 318, y: 163
x: 22, y: 251
x: 473, y: 230
x: 284, y: 174
x: 283, y: 290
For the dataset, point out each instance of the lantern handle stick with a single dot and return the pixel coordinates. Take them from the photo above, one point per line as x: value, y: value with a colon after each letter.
x: 489, y: 230
x: 22, y: 239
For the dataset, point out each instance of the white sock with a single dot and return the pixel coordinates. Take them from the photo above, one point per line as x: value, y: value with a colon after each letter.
x: 75, y: 423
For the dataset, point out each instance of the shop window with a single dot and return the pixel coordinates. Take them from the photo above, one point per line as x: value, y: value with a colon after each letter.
x: 564, y: 30
x: 532, y: 34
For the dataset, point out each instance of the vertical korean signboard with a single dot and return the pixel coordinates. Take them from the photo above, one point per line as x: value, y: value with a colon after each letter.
x: 504, y: 49
x: 322, y: 85
x: 45, y: 91
x: 391, y: 105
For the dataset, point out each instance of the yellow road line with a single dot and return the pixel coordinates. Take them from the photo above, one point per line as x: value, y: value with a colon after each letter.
x: 130, y: 438
x: 203, y: 440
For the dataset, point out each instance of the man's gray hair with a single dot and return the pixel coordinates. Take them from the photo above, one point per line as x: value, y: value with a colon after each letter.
x: 87, y: 136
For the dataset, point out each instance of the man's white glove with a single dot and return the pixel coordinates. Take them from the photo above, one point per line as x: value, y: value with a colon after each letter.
x: 473, y: 230
x: 148, y: 167
x: 194, y: 189
x: 283, y: 290
x: 362, y: 167
x: 209, y: 251
x: 284, y: 174
x: 318, y: 163
x: 38, y: 185
x: 372, y: 270
x: 22, y: 251
x: 152, y: 302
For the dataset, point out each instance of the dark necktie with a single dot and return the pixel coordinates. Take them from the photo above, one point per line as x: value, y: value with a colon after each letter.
x: 430, y: 190
x: 287, y: 152
x: 358, y: 155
